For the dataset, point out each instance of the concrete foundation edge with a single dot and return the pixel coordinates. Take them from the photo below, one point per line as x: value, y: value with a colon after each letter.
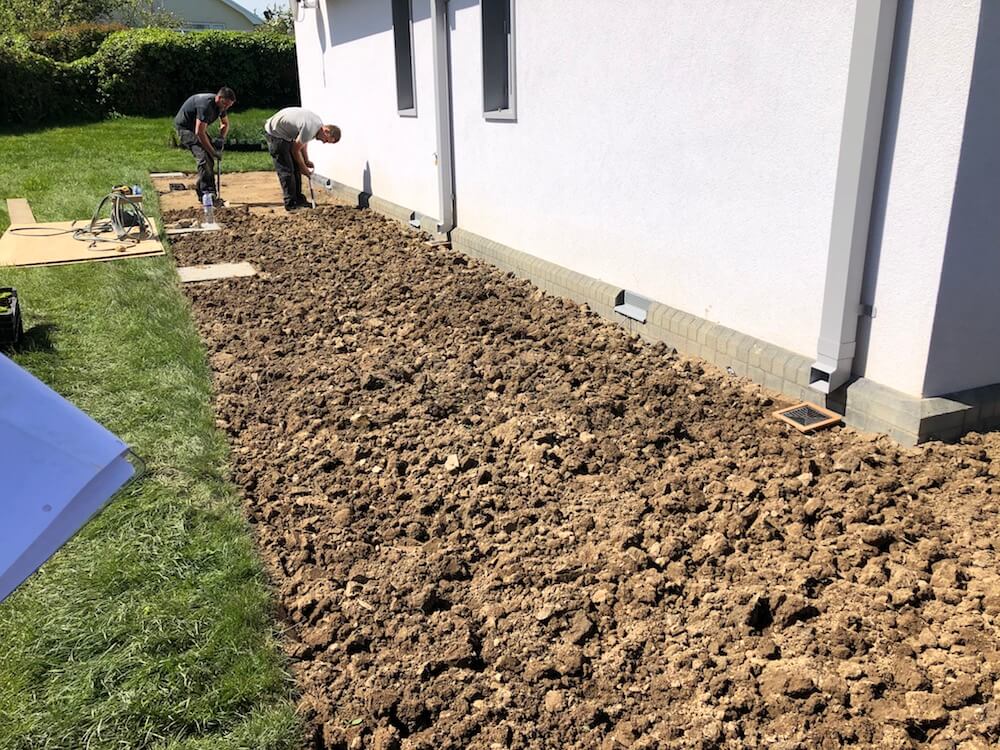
x: 865, y: 404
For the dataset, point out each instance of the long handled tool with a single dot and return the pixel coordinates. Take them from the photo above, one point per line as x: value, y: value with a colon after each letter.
x: 218, y: 178
x: 218, y: 175
x: 312, y: 193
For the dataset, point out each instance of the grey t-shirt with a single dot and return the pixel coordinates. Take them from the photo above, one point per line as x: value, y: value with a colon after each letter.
x: 198, y: 107
x: 293, y: 122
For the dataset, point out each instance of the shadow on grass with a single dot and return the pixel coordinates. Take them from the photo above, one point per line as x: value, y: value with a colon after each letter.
x: 38, y: 338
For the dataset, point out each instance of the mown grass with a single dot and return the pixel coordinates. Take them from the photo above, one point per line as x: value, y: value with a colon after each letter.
x: 153, y: 627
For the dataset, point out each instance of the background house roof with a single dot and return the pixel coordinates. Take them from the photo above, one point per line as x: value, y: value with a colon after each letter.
x: 250, y: 16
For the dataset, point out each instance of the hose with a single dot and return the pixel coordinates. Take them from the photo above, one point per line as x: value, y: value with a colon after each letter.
x: 127, y: 221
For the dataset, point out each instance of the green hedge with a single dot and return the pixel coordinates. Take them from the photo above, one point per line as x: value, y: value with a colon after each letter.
x: 145, y: 72
x: 152, y: 71
x: 35, y: 89
x: 73, y: 42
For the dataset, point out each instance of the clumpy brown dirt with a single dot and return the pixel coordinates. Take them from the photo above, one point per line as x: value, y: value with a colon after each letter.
x: 495, y: 521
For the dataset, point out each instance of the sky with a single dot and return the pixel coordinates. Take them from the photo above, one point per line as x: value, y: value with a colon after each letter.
x: 258, y: 6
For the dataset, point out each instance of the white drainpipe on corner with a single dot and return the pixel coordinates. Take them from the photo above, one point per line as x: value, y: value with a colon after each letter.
x: 867, y: 81
x: 440, y: 47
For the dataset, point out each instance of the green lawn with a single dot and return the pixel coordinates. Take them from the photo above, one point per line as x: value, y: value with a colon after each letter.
x: 153, y: 628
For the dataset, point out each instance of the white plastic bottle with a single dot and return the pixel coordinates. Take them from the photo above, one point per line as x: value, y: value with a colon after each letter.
x: 206, y: 202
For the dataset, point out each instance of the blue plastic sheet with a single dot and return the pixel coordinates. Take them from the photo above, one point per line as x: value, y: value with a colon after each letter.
x: 58, y: 467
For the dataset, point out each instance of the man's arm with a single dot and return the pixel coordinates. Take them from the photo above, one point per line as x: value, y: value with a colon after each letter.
x: 299, y: 154
x: 224, y: 127
x: 201, y: 131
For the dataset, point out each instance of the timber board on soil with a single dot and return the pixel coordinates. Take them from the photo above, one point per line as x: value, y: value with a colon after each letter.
x: 494, y: 520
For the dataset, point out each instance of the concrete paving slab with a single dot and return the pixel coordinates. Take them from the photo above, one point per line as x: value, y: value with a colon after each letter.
x: 215, y: 271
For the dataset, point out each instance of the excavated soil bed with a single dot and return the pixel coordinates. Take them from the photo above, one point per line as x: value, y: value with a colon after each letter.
x: 494, y: 521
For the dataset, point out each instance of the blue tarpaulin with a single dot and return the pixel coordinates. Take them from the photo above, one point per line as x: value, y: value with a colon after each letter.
x: 58, y: 467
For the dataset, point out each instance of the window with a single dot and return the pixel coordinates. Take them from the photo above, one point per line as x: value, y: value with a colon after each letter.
x: 402, y: 32
x: 498, y: 59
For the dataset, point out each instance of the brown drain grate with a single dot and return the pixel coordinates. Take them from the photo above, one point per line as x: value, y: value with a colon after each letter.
x: 806, y: 417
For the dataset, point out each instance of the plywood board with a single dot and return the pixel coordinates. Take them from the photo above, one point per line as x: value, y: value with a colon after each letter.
x: 39, y: 247
x: 215, y: 271
x: 19, y: 211
x: 238, y: 189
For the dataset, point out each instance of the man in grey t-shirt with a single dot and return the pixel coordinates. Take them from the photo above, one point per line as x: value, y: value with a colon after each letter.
x: 288, y: 134
x: 192, y: 121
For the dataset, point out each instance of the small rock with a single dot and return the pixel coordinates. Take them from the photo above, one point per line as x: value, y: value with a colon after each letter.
x: 716, y: 545
x: 742, y: 486
x: 795, y: 609
x: 386, y: 738
x: 777, y: 681
x: 554, y: 701
x: 579, y: 629
x: 877, y: 536
x: 545, y: 612
x: 799, y: 686
x: 452, y: 464
x: 926, y: 709
x: 962, y: 691
x: 768, y: 649
x: 568, y: 660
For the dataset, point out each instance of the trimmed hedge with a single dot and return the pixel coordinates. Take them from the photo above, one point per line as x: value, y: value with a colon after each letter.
x: 73, y: 42
x: 145, y: 72
x: 152, y: 71
x: 35, y: 89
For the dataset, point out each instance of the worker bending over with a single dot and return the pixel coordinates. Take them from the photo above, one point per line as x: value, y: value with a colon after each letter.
x: 192, y: 121
x: 288, y: 133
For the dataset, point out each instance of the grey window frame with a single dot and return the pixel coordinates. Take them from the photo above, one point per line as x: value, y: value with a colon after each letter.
x: 398, y: 36
x: 508, y: 113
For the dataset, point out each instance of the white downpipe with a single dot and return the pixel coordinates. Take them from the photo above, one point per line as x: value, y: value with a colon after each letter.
x: 867, y: 81
x: 440, y: 47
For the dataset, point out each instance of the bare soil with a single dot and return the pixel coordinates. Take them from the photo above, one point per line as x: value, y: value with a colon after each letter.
x: 495, y: 521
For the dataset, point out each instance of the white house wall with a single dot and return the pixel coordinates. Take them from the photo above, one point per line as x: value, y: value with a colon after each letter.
x: 355, y: 87
x: 684, y: 150
x: 687, y: 150
x: 926, y: 209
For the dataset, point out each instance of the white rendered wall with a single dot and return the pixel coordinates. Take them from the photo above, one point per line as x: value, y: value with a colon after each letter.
x: 918, y: 205
x: 684, y: 150
x: 347, y: 75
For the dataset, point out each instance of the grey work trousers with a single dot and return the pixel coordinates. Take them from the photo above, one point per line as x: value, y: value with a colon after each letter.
x: 206, y: 164
x: 289, y: 176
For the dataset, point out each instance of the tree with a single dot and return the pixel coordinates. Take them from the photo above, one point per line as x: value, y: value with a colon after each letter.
x: 25, y: 16
x: 278, y: 20
x: 144, y: 13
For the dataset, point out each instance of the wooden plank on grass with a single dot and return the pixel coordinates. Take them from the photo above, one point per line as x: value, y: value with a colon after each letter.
x: 20, y: 211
